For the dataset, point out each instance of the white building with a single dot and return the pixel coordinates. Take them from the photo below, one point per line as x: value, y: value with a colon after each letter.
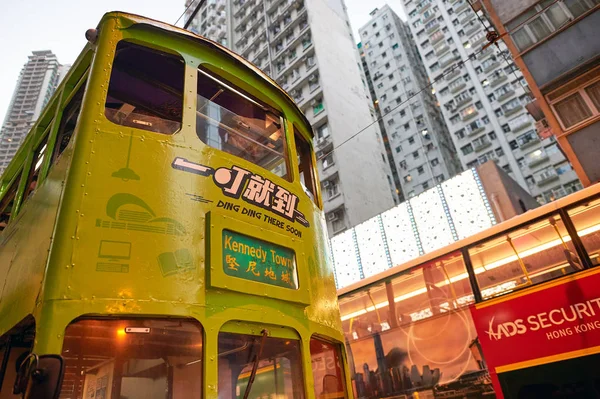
x: 36, y: 84
x: 308, y: 48
x: 483, y: 101
x: 420, y: 144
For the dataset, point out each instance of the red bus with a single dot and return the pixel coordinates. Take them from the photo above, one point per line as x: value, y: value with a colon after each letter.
x: 511, y: 312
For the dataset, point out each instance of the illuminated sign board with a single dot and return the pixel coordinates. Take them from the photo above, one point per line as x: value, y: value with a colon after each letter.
x: 252, y: 259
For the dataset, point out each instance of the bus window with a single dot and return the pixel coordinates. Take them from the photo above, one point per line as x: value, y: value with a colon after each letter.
x: 7, y: 202
x: 532, y: 254
x: 307, y: 175
x: 277, y: 362
x: 327, y: 369
x: 68, y: 122
x: 586, y: 219
x: 133, y: 358
x: 34, y: 172
x: 146, y: 89
x: 231, y: 121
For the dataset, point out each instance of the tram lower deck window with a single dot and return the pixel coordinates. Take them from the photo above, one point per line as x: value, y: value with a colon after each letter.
x: 146, y: 89
x: 277, y: 363
x: 232, y: 121
x: 133, y: 358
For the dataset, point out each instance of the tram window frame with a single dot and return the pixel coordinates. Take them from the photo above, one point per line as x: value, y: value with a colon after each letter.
x: 67, y: 126
x: 137, y: 342
x: 35, y: 169
x: 573, y: 258
x: 9, y: 198
x: 229, y: 138
x: 164, y: 118
x: 306, y: 167
x: 338, y: 365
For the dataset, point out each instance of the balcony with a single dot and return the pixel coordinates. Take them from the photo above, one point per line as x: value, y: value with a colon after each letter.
x: 475, y: 131
x: 436, y: 37
x: 519, y: 123
x: 443, y: 49
x: 455, y: 73
x: 465, y: 116
x: 528, y: 140
x: 546, y: 177
x: 425, y: 8
x: 466, y: 19
x: 478, y: 39
x: 433, y: 28
x: 459, y: 7
x: 513, y: 110
x: 460, y: 101
x: 479, y: 145
x: 504, y: 96
x: 324, y: 144
x: 458, y: 87
x: 496, y: 80
x: 447, y: 60
x: 536, y: 157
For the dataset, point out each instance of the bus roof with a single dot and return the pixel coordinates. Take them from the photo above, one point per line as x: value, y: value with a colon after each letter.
x: 509, y: 224
x: 138, y: 19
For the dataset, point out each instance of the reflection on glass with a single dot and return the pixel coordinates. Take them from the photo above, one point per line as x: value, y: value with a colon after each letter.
x: 132, y: 358
x: 146, y: 89
x: 278, y: 371
x: 538, y: 252
x: 586, y: 219
x: 327, y: 370
x: 425, y: 343
x: 231, y: 121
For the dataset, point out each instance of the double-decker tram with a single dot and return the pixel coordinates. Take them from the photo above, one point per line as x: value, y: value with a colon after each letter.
x: 162, y: 233
x: 511, y: 312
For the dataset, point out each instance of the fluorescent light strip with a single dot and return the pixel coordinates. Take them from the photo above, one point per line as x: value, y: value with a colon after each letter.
x: 480, y: 270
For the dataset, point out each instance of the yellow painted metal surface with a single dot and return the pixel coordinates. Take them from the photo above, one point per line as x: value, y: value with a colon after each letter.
x: 116, y: 228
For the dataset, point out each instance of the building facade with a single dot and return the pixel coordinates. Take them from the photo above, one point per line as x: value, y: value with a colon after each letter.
x: 421, y: 146
x: 308, y: 48
x: 36, y: 84
x: 556, y: 46
x: 483, y: 97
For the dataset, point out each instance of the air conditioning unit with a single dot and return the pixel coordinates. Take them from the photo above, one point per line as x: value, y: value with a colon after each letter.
x: 332, y: 216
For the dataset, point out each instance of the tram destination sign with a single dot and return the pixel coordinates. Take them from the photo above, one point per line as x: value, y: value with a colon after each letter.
x: 252, y: 259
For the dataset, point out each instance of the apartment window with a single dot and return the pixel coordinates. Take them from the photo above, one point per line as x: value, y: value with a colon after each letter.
x: 535, y: 24
x: 394, y: 88
x: 380, y: 85
x: 402, y: 164
x: 407, y: 178
x: 499, y: 152
x: 377, y: 34
x: 435, y: 162
x: 505, y: 128
x: 513, y: 144
x: 394, y: 46
x: 328, y: 161
x: 406, y: 127
x: 420, y: 170
x: 318, y: 107
x: 411, y: 139
x: 323, y: 131
x: 380, y: 44
x: 391, y: 77
x: 454, y: 120
x: 391, y: 121
x: 467, y: 149
x: 402, y: 112
x: 398, y: 149
x: 331, y: 188
x: 387, y: 65
x: 492, y: 136
x: 415, y: 154
x: 460, y: 134
x: 579, y: 106
x: 425, y: 185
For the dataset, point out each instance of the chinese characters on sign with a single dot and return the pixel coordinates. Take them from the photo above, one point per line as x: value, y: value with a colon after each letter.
x: 236, y: 182
x: 253, y: 259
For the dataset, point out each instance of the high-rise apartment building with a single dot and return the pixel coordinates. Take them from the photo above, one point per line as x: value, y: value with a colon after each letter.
x: 556, y: 46
x: 308, y: 48
x: 36, y: 84
x: 483, y: 98
x: 420, y: 144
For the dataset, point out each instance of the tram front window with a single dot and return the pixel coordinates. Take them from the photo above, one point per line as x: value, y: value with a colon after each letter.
x: 133, y: 359
x: 233, y: 122
x: 278, y: 367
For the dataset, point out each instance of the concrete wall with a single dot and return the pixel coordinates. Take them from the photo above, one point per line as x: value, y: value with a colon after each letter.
x: 506, y: 197
x: 509, y: 9
x: 565, y: 51
x: 362, y: 169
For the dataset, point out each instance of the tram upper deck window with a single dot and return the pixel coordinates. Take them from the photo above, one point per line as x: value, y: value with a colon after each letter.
x: 230, y: 120
x: 327, y: 370
x: 586, y: 219
x: 305, y: 165
x: 276, y: 361
x: 537, y: 252
x: 146, y: 89
x: 133, y: 358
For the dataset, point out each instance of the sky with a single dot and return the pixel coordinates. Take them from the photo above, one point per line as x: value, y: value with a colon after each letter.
x: 60, y: 25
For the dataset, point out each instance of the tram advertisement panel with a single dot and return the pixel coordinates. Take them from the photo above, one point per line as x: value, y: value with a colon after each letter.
x: 549, y: 323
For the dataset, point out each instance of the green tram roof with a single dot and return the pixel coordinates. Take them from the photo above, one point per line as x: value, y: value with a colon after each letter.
x: 138, y: 19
